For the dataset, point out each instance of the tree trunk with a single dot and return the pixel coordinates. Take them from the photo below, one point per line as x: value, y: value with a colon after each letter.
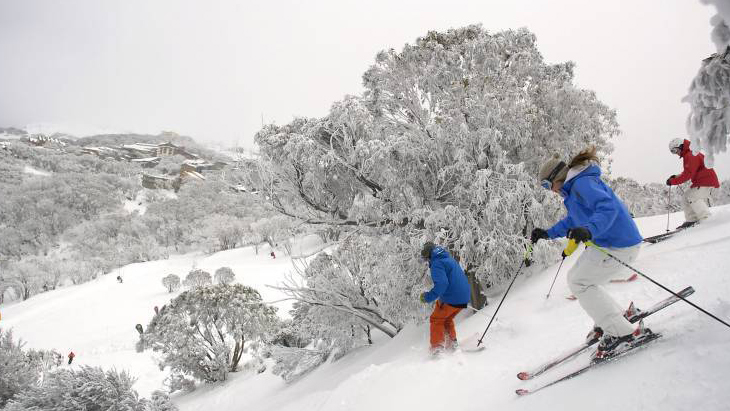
x: 478, y: 299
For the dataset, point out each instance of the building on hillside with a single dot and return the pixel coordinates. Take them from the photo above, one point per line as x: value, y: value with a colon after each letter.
x: 168, y: 149
x: 139, y: 150
x: 105, y: 153
x: 147, y: 162
x: 154, y: 182
x: 42, y: 140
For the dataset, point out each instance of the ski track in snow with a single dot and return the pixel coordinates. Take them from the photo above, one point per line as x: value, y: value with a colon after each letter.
x: 684, y: 370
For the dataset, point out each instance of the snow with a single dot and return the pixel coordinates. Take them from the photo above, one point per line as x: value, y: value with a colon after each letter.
x: 31, y: 170
x: 683, y: 370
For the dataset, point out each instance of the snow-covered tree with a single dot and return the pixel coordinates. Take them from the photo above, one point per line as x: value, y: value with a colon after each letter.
x: 17, y: 372
x: 89, y: 388
x: 171, y: 282
x: 226, y: 230
x: 444, y: 145
x: 224, y: 275
x: 273, y: 229
x: 205, y: 331
x: 160, y: 401
x: 708, y: 123
x: 365, y: 282
x: 197, y: 278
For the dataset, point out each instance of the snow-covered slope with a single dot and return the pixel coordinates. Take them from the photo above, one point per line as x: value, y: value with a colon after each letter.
x: 96, y: 320
x: 684, y: 370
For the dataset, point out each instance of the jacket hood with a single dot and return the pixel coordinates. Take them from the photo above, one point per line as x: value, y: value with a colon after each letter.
x: 439, y: 252
x: 685, y: 147
x: 592, y: 170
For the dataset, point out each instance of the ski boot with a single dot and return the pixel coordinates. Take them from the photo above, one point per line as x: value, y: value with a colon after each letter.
x: 611, y: 346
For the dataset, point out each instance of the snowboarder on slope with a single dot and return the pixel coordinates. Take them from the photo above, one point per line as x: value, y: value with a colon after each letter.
x: 450, y: 291
x: 703, y: 181
x: 594, y: 214
x: 71, y: 356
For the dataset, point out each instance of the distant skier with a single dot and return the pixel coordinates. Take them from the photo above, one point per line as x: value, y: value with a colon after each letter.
x: 71, y: 356
x: 119, y: 279
x: 703, y: 181
x: 451, y: 293
x: 273, y: 255
x: 157, y: 310
x: 595, y: 214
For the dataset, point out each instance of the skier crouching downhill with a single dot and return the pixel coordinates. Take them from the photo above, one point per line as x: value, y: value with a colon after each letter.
x: 595, y: 214
x: 703, y: 181
x: 451, y: 293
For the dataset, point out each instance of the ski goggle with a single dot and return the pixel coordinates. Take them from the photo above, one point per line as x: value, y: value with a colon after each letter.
x: 548, y: 182
x: 676, y: 150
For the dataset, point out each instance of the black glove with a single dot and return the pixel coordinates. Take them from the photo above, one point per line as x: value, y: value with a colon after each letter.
x: 670, y: 177
x: 538, y: 234
x: 579, y: 234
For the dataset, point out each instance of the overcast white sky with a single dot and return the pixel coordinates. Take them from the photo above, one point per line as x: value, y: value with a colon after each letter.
x: 211, y: 69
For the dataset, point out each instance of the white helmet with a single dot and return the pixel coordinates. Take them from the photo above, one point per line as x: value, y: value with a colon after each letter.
x: 676, y: 142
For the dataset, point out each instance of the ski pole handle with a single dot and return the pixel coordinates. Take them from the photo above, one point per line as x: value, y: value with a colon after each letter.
x: 570, y: 249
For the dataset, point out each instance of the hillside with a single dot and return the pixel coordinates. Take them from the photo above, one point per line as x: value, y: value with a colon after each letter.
x: 684, y: 370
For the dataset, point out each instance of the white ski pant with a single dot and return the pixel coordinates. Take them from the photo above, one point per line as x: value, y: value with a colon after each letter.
x: 586, y: 279
x: 695, y: 203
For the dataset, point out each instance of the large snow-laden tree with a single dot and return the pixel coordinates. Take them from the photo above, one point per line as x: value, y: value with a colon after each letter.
x: 443, y: 145
x: 205, y: 331
x: 708, y: 122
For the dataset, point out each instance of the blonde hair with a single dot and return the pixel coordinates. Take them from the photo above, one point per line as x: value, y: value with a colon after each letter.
x: 584, y: 158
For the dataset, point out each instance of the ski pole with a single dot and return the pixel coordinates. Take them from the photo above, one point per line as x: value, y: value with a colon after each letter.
x: 589, y: 243
x: 556, y: 277
x: 527, y: 255
x: 669, y: 204
x: 569, y: 249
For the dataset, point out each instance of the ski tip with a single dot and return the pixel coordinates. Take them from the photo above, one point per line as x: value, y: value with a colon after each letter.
x: 524, y: 375
x: 522, y: 391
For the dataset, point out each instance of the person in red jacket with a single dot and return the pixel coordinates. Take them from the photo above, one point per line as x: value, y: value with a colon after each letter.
x: 703, y: 181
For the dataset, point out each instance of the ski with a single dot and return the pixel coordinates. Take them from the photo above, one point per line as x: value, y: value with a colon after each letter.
x: 590, y: 365
x: 631, y: 278
x: 661, y: 237
x: 526, y: 375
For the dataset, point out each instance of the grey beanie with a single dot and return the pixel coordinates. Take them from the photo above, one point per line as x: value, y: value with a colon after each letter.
x: 548, y: 168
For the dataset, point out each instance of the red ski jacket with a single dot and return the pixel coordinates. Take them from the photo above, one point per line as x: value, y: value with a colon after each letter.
x: 694, y: 169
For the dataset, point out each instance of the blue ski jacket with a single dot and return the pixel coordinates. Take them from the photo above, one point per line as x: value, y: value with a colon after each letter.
x: 593, y: 205
x: 450, y: 285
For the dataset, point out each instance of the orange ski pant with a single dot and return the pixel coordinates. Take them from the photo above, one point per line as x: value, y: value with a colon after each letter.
x: 442, y: 322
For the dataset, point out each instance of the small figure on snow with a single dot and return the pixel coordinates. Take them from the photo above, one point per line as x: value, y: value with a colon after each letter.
x: 704, y: 180
x: 157, y: 310
x: 450, y: 291
x: 119, y: 279
x: 273, y: 255
x: 595, y: 214
x: 71, y: 356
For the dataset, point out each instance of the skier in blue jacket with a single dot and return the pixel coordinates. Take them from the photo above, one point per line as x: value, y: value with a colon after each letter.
x: 595, y: 214
x: 451, y: 293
